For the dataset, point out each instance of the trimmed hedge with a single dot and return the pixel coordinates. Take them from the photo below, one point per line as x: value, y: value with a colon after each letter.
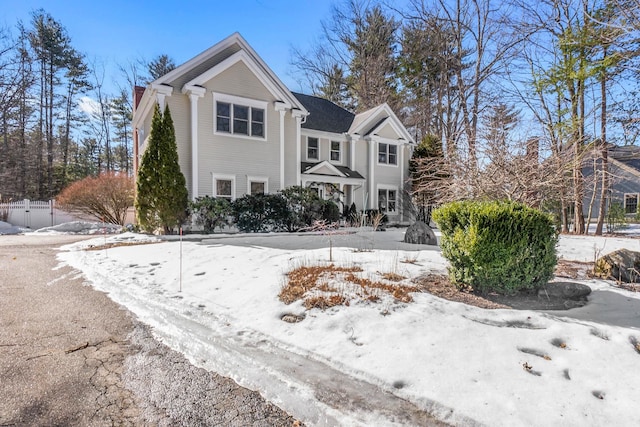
x: 498, y: 246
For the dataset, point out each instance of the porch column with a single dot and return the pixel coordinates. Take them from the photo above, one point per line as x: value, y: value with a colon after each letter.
x: 195, y: 93
x: 298, y: 116
x: 162, y: 91
x: 281, y: 108
x: 371, y: 177
x: 400, y: 196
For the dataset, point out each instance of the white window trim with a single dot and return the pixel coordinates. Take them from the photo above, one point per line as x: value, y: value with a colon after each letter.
x: 340, y: 156
x: 263, y: 179
x: 391, y: 165
x: 310, y: 159
x: 387, y: 188
x: 231, y: 178
x: 245, y: 102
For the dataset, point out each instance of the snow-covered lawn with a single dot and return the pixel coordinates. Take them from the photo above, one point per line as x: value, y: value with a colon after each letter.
x: 218, y: 304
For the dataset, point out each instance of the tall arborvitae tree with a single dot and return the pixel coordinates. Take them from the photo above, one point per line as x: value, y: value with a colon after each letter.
x: 162, y: 198
x: 176, y: 197
x: 146, y: 202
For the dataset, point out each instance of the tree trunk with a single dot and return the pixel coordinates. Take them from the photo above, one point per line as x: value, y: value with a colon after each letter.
x: 604, y: 190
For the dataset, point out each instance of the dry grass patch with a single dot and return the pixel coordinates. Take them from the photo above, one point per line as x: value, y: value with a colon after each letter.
x: 392, y: 277
x: 329, y: 286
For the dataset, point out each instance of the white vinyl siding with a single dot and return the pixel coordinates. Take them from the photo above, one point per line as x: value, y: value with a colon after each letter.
x: 223, y: 153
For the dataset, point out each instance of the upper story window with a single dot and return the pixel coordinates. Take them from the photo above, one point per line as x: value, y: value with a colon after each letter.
x: 335, y: 151
x: 313, y: 148
x: 239, y: 116
x: 387, y: 154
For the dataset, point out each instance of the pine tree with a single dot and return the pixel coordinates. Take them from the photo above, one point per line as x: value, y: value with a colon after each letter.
x: 426, y: 174
x: 162, y: 198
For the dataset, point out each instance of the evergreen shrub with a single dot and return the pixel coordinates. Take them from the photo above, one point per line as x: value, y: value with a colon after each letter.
x: 330, y: 212
x: 304, y: 205
x: 261, y: 213
x: 211, y: 212
x: 498, y: 246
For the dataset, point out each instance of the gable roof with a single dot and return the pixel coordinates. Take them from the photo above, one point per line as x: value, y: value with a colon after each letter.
x: 324, y: 115
x: 220, y: 56
x: 314, y: 168
x: 368, y: 122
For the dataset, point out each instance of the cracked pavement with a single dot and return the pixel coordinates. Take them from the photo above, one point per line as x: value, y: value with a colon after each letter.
x: 71, y: 356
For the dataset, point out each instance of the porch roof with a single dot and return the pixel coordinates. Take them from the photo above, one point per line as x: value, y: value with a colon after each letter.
x: 345, y: 171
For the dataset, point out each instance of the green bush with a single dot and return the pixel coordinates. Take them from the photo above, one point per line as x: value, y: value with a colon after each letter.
x: 304, y: 207
x: 210, y: 212
x: 261, y: 213
x: 615, y: 217
x: 330, y: 212
x: 502, y: 247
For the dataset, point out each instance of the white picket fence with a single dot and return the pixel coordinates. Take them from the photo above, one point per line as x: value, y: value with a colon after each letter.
x: 35, y: 214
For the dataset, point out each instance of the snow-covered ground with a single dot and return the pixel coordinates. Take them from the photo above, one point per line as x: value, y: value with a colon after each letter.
x: 218, y: 304
x: 6, y: 229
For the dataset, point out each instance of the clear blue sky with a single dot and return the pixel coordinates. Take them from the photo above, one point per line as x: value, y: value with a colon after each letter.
x: 120, y: 31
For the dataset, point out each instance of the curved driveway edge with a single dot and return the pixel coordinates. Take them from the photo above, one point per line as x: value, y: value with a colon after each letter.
x: 71, y: 356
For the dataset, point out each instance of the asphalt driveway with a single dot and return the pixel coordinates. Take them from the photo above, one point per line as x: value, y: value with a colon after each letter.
x: 71, y: 356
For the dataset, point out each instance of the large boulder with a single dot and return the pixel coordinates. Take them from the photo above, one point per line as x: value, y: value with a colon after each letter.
x: 420, y: 233
x: 565, y: 290
x: 622, y: 265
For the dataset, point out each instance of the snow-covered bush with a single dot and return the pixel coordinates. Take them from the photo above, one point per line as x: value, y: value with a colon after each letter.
x: 497, y: 246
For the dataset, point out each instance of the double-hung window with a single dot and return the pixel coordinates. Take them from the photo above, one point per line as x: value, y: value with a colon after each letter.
x: 387, y: 154
x: 631, y: 203
x: 239, y: 116
x: 335, y: 151
x: 257, y: 185
x: 387, y: 200
x: 313, y: 148
x: 224, y: 186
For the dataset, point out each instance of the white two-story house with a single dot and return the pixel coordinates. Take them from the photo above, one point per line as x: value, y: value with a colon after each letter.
x: 240, y: 130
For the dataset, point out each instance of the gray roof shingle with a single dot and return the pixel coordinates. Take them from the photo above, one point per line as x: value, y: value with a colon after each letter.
x: 324, y: 115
